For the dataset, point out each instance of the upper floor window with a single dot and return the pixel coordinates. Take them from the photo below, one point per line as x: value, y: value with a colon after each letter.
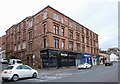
x: 44, y: 28
x: 83, y: 30
x: 56, y: 16
x: 63, y: 44
x: 56, y: 43
x: 77, y: 27
x: 30, y: 24
x: 56, y: 29
x: 70, y: 34
x: 83, y: 38
x: 30, y: 35
x: 62, y: 20
x: 70, y: 24
x: 24, y: 45
x: 19, y: 46
x: 83, y: 48
x: 30, y: 46
x: 0, y: 47
x: 45, y: 14
x: 62, y: 31
x: 78, y: 47
x: 87, y: 39
x: 15, y: 47
x: 78, y: 36
x: 87, y: 32
x: 44, y: 45
x: 70, y: 45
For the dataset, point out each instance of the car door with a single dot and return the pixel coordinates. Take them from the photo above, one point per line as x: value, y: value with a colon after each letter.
x: 27, y: 71
x: 19, y: 71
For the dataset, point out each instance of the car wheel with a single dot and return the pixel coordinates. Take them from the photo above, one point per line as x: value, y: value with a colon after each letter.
x: 34, y: 75
x: 15, y: 77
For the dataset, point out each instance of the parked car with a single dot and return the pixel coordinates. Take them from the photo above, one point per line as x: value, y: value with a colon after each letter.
x: 15, y: 72
x: 85, y: 66
x: 108, y: 63
x: 3, y: 60
x: 15, y: 61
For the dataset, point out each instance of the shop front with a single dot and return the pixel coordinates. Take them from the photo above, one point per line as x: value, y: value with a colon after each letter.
x: 56, y: 59
x: 78, y: 59
x: 86, y: 58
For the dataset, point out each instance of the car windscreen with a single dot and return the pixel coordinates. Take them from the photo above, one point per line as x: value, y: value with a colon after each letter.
x: 9, y: 67
x: 19, y: 62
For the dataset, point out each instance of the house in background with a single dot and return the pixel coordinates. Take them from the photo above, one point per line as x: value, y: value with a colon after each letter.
x: 104, y: 57
x: 113, y: 57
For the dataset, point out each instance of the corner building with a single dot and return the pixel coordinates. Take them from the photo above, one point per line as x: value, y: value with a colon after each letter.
x: 51, y: 39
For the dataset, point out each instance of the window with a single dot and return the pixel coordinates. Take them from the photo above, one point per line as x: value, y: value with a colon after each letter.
x: 62, y: 20
x: 83, y: 48
x: 24, y: 35
x: 30, y: 46
x: 87, y: 32
x: 83, y: 38
x: 30, y: 24
x: 77, y: 27
x: 56, y: 29
x: 0, y: 47
x: 70, y: 34
x: 78, y: 36
x: 24, y: 45
x: 19, y: 46
x: 71, y: 45
x: 83, y: 30
x: 26, y: 67
x: 44, y: 28
x: 70, y: 24
x: 87, y: 40
x: 62, y: 31
x: 19, y: 67
x: 15, y: 47
x: 55, y: 16
x: 78, y: 47
x: 45, y: 14
x: 30, y: 35
x: 44, y: 43
x: 63, y: 44
x: 56, y: 43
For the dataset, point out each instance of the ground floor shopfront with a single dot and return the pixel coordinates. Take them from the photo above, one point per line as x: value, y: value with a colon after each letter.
x: 57, y: 58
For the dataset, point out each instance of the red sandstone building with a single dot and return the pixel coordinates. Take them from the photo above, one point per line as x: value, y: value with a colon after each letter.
x: 51, y: 39
x: 2, y: 46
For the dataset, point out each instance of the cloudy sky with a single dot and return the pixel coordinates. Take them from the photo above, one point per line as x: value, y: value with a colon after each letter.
x: 100, y: 16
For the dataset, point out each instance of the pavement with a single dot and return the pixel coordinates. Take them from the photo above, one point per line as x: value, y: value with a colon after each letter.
x: 63, y: 69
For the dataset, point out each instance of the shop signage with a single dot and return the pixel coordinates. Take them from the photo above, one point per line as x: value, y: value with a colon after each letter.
x: 62, y: 54
x: 87, y: 55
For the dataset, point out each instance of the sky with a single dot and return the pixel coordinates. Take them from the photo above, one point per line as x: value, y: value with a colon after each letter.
x: 100, y: 16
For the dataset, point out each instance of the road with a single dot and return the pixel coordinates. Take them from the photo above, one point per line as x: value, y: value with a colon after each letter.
x: 95, y: 74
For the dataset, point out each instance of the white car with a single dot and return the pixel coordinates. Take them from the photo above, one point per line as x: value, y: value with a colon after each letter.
x: 3, y: 60
x: 14, y: 72
x: 85, y: 66
x: 15, y: 61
